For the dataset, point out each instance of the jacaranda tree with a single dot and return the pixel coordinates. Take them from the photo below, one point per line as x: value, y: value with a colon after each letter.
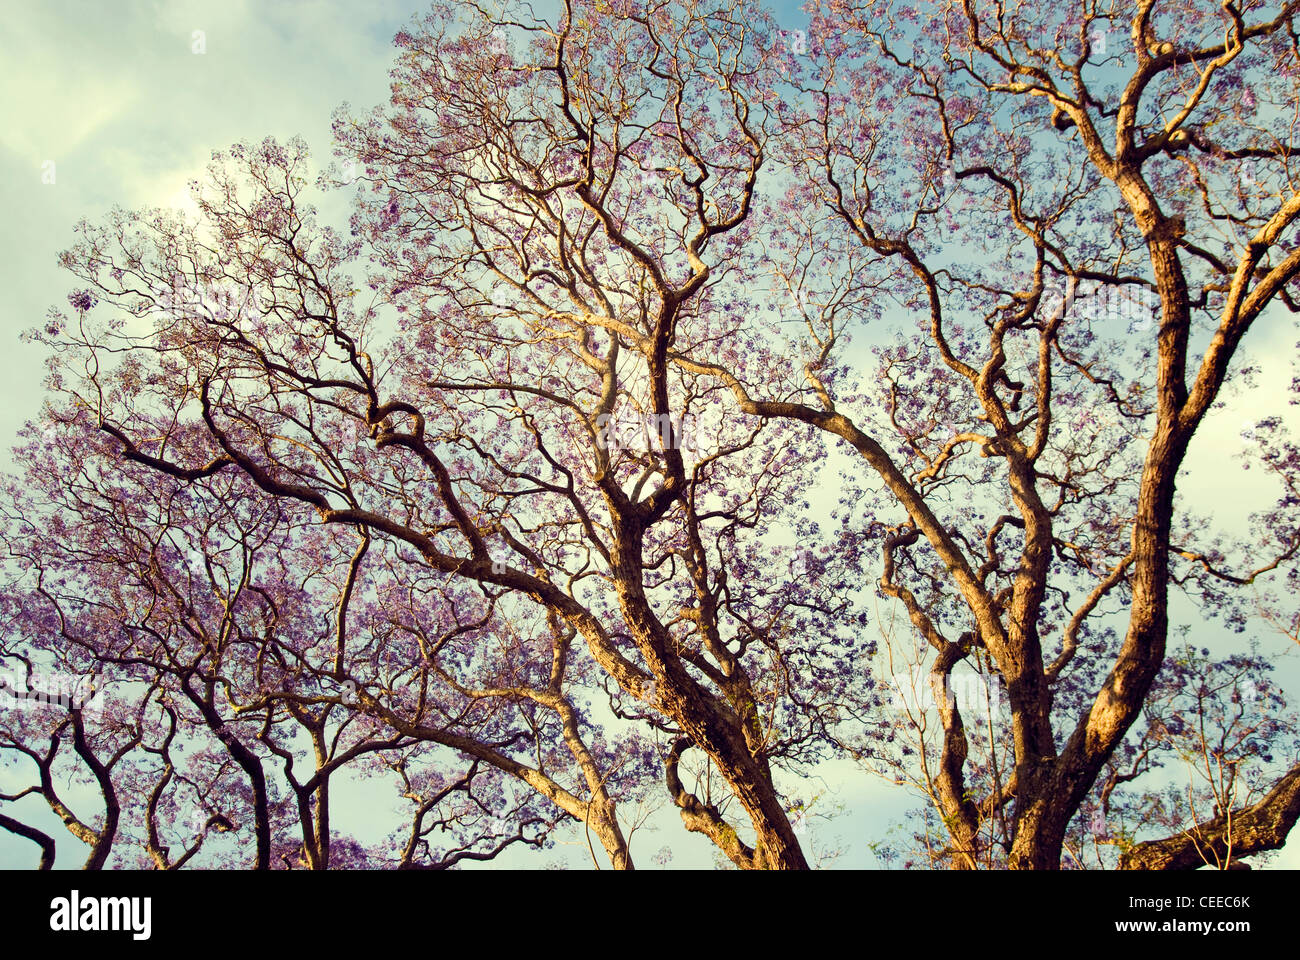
x: 669, y: 357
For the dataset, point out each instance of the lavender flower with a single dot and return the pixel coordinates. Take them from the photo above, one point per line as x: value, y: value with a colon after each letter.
x: 82, y: 300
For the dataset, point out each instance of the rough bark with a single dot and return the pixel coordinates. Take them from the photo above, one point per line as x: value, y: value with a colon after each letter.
x: 1257, y: 828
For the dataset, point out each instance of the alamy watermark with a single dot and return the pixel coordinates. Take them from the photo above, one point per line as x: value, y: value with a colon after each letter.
x: 648, y: 432
x: 971, y: 693
x: 69, y: 691
x: 75, y: 913
x: 1135, y: 307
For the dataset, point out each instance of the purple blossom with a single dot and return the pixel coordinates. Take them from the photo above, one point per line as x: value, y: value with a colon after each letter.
x: 82, y: 300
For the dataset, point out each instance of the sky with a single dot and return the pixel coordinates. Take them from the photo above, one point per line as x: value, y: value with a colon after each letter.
x: 123, y: 103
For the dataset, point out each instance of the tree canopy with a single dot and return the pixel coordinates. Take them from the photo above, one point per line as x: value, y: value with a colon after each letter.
x: 680, y: 382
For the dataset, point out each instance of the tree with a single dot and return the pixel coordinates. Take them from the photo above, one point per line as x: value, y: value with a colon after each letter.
x: 1088, y: 160
x: 211, y: 622
x: 621, y: 286
x: 491, y: 469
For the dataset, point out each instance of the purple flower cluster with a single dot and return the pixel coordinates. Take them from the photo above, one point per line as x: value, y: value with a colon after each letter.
x: 81, y: 300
